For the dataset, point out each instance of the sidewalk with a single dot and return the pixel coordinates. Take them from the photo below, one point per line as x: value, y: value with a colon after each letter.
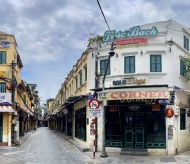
x: 116, y: 158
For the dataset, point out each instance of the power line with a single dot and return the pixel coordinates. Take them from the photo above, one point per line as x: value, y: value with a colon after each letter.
x: 103, y: 14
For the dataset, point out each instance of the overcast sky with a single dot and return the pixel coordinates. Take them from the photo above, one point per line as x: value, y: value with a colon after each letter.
x: 52, y: 34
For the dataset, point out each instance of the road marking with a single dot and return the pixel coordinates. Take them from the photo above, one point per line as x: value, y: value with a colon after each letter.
x: 61, y: 144
x: 29, y: 147
x: 16, y: 152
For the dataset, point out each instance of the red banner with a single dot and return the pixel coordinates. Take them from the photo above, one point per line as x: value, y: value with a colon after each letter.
x: 131, y: 40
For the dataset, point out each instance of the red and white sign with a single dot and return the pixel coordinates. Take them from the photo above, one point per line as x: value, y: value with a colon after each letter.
x: 169, y: 112
x: 94, y: 110
x: 94, y: 104
x: 131, y: 40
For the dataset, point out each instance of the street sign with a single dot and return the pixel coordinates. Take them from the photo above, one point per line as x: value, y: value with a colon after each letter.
x: 95, y: 112
x: 94, y: 104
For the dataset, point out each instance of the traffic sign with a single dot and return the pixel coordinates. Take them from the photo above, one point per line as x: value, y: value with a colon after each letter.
x: 94, y: 104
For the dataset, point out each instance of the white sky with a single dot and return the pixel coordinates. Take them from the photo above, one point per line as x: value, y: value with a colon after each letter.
x: 52, y: 34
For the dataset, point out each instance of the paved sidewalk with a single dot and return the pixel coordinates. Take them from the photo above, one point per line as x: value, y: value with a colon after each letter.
x: 115, y: 158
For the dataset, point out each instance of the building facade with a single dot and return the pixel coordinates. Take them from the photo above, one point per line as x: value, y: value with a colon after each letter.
x: 145, y: 89
x: 14, y: 92
x: 145, y: 95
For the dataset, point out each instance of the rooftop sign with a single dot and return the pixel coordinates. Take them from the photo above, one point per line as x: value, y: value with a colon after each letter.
x: 132, y: 33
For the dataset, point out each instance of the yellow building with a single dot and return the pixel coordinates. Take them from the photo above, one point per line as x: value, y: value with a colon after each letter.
x: 15, y: 94
x: 10, y: 67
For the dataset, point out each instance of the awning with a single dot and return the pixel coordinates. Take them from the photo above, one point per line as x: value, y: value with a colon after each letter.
x: 74, y: 99
x: 6, y: 109
x: 186, y: 91
x: 25, y: 109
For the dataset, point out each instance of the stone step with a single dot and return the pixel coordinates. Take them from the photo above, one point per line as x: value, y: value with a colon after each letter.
x: 134, y: 152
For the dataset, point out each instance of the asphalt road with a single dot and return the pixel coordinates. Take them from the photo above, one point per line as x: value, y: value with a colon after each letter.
x: 45, y: 146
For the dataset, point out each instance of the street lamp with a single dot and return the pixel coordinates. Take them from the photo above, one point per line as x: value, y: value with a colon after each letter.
x: 111, y: 53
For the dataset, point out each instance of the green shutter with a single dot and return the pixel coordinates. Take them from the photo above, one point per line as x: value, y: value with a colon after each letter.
x: 103, y: 67
x: 155, y: 63
x: 129, y: 64
x: 182, y: 67
x: 3, y: 57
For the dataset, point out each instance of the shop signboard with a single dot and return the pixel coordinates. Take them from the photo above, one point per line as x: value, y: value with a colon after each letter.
x: 5, y: 99
x: 122, y: 95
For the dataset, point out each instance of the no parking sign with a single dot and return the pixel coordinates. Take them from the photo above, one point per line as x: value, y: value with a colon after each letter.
x: 94, y: 106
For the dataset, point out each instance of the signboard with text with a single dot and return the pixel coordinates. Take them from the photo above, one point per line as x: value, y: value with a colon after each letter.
x: 122, y: 95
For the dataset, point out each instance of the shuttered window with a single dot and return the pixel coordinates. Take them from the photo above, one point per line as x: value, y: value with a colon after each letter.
x: 103, y: 64
x: 129, y: 64
x: 155, y: 63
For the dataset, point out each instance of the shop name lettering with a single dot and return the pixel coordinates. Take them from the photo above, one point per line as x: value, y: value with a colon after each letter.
x: 129, y: 81
x: 133, y: 32
x: 140, y: 95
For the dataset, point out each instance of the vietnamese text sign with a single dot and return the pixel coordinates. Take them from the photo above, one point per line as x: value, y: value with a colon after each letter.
x: 95, y: 112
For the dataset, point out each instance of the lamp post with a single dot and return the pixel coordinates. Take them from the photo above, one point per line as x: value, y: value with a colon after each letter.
x: 111, y: 53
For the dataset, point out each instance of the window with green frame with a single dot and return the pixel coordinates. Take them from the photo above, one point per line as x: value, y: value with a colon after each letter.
x: 2, y: 57
x: 182, y: 119
x: 182, y: 67
x: 80, y: 76
x: 155, y: 63
x: 3, y: 87
x: 186, y: 43
x: 129, y: 64
x: 76, y: 82
x: 80, y: 124
x: 85, y: 70
x: 103, y: 64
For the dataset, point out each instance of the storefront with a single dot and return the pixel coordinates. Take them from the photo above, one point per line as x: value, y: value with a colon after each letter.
x: 135, y: 118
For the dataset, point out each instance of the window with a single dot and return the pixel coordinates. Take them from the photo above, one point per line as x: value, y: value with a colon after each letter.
x: 80, y: 75
x: 186, y: 43
x: 103, y: 64
x: 182, y: 67
x: 129, y: 64
x: 155, y: 63
x: 76, y: 81
x: 2, y: 57
x: 182, y: 119
x: 85, y: 70
x: 3, y: 87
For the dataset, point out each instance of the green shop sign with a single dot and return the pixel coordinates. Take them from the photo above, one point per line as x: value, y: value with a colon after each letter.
x: 133, y: 32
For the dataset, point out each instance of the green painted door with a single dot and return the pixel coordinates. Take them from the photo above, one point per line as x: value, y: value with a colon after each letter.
x: 134, y: 130
x: 1, y: 127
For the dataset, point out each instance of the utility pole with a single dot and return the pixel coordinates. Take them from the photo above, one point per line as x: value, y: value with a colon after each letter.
x: 111, y: 53
x: 14, y: 83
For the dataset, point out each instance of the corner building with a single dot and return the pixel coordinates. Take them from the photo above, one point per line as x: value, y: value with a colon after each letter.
x: 146, y: 96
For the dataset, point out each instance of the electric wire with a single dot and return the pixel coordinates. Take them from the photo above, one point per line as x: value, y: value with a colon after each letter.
x: 103, y: 14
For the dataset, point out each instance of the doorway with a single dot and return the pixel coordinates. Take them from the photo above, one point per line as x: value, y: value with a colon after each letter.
x: 1, y: 127
x: 134, y: 128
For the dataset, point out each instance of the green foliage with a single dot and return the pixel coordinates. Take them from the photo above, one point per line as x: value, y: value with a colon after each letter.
x: 187, y: 72
x: 95, y: 39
